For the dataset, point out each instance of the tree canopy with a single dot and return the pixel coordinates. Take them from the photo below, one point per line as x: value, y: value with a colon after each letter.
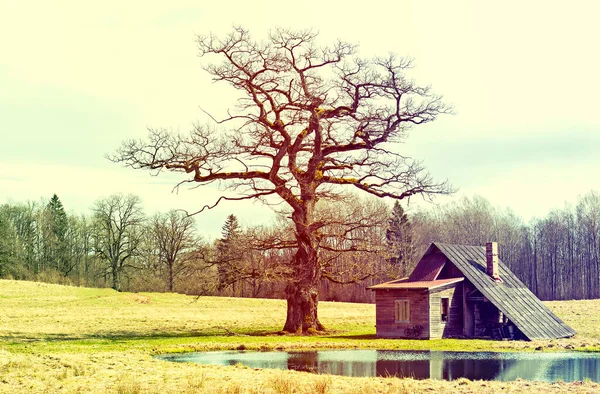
x: 310, y: 120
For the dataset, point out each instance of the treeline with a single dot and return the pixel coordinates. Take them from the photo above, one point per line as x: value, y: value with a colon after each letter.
x: 118, y: 245
x: 115, y: 245
x: 363, y: 242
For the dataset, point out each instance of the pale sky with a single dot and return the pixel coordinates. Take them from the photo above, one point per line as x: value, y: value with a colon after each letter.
x: 77, y: 78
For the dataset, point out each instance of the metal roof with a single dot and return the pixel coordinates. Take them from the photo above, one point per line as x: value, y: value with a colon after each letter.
x: 510, y: 296
x: 409, y: 284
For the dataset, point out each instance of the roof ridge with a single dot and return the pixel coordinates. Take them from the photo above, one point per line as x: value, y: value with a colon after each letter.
x: 454, y: 244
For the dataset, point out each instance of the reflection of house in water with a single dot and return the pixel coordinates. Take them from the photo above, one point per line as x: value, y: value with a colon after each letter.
x: 416, y: 365
x: 463, y: 291
x: 441, y: 365
x: 491, y: 367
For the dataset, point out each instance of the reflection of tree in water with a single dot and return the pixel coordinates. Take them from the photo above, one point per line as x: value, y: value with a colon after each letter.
x: 574, y: 369
x: 304, y: 361
x: 320, y: 363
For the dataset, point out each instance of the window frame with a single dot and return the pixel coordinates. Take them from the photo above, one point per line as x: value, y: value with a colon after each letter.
x: 447, y: 309
x: 402, y: 311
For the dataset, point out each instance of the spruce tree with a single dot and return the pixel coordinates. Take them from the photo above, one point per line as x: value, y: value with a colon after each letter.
x: 228, y: 252
x: 399, y: 238
x: 54, y: 235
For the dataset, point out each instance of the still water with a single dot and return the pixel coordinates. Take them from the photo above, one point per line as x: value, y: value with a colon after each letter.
x: 549, y: 367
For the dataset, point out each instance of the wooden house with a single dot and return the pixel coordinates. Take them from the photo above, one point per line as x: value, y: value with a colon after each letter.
x: 463, y: 291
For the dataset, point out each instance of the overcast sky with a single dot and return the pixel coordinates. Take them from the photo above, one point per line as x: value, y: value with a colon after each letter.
x: 77, y: 78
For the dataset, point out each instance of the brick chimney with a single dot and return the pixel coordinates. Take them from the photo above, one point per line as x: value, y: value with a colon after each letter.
x: 491, y: 257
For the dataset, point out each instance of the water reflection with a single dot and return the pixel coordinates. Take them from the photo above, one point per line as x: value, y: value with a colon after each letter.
x: 547, y: 367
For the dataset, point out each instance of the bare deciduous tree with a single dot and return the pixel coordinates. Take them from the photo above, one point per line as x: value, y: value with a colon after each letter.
x: 175, y: 242
x: 310, y: 121
x: 118, y: 234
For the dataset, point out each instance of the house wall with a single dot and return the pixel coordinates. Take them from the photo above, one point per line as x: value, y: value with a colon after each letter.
x: 468, y: 312
x: 454, y: 326
x: 385, y: 313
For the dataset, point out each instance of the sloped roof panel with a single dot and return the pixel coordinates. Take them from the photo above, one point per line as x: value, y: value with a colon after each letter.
x: 427, y: 269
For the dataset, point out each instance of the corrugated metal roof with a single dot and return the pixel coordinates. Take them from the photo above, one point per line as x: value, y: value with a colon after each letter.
x: 409, y: 284
x: 510, y: 296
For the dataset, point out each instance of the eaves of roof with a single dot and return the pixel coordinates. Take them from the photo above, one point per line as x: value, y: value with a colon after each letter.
x: 405, y: 284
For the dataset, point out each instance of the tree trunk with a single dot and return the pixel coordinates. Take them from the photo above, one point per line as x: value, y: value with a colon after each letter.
x: 301, y: 292
x: 302, y: 302
x: 116, y: 280
x: 171, y: 276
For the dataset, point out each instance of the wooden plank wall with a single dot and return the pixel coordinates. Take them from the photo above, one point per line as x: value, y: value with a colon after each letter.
x: 454, y: 326
x: 385, y: 314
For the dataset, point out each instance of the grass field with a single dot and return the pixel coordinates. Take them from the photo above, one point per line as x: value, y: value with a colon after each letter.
x: 67, y: 339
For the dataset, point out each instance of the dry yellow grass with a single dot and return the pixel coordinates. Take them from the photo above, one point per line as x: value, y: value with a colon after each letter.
x: 56, y: 339
x: 30, y: 310
x: 582, y: 315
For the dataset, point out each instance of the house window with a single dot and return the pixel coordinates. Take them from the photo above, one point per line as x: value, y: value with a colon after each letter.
x: 444, y: 308
x: 402, y: 308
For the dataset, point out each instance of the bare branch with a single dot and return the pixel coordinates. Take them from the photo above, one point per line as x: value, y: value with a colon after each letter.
x: 255, y: 195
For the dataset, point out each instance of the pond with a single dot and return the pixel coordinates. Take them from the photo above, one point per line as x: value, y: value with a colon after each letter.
x: 538, y: 366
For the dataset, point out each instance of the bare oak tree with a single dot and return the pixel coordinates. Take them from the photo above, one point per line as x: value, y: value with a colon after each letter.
x: 310, y: 120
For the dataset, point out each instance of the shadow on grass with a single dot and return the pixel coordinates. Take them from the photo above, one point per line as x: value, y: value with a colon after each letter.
x: 119, y: 336
x: 352, y: 337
